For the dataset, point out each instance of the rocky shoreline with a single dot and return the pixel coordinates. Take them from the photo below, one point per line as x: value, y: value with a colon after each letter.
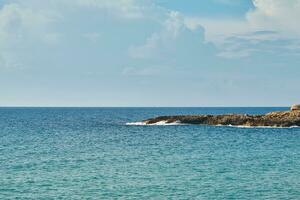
x: 273, y: 119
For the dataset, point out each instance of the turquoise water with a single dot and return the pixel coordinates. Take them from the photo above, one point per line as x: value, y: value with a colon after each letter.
x: 89, y: 153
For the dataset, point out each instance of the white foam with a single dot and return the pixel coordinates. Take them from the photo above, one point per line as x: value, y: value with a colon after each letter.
x: 177, y: 123
x: 294, y: 127
x: 242, y: 126
x: 164, y: 123
x: 136, y: 124
x: 160, y: 123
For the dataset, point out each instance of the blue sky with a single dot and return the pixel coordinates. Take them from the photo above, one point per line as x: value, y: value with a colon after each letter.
x: 209, y: 8
x: 149, y: 52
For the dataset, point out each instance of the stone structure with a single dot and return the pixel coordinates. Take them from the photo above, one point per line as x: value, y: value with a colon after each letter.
x: 295, y: 107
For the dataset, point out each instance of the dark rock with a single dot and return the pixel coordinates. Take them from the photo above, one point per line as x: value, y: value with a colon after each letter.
x: 273, y: 119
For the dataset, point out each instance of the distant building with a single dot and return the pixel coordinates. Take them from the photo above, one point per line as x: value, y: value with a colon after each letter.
x: 295, y: 107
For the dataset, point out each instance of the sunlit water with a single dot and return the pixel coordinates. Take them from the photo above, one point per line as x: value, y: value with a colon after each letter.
x: 90, y: 153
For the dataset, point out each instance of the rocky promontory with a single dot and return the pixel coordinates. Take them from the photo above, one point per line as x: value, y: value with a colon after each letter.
x: 273, y: 119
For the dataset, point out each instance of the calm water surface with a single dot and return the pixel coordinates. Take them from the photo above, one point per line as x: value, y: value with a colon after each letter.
x: 89, y: 153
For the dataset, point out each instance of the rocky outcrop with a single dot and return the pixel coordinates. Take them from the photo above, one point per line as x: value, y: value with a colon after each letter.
x: 273, y: 119
x: 295, y: 107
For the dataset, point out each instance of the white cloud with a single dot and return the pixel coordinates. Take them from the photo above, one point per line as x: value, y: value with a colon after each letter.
x: 19, y: 26
x: 35, y: 24
x: 16, y: 21
x: 277, y: 18
x: 276, y: 15
x: 33, y: 17
x: 121, y: 8
x: 216, y: 30
x: 268, y: 15
x: 174, y: 29
x: 75, y: 46
x: 170, y: 30
x: 175, y: 48
x: 24, y: 24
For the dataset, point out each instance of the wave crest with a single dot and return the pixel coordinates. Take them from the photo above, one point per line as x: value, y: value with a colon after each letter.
x: 160, y: 123
x: 177, y: 123
x: 136, y: 124
x: 243, y: 126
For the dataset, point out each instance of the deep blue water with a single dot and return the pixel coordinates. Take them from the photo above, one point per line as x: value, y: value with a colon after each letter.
x: 89, y: 153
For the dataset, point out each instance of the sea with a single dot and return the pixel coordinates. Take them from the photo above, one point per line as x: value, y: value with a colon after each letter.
x: 103, y: 153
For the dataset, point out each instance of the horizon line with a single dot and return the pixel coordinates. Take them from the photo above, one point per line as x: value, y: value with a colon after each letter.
x: 76, y: 106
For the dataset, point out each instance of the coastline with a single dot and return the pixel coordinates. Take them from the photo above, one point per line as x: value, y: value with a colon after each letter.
x: 279, y: 119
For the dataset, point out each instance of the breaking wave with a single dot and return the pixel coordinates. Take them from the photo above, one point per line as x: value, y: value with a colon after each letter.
x: 160, y: 123
x: 242, y: 126
x: 136, y: 124
x: 177, y: 123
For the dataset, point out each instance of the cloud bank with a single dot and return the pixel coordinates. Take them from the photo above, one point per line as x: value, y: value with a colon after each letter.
x: 109, y: 51
x: 269, y: 22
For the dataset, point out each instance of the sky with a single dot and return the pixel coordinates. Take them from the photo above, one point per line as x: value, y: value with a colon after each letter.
x: 149, y: 52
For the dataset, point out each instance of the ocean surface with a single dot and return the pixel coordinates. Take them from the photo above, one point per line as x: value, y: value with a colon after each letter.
x: 90, y: 153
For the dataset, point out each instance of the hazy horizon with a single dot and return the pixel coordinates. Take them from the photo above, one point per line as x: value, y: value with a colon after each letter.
x: 71, y: 106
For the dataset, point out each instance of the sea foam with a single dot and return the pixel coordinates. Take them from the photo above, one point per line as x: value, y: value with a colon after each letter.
x: 136, y: 124
x: 160, y: 123
x: 177, y: 123
x: 242, y: 126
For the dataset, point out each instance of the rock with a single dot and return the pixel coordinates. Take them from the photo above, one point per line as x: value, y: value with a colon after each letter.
x: 295, y: 107
x: 273, y: 119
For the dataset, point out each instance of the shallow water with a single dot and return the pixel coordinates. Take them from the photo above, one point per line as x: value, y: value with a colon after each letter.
x: 90, y: 153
